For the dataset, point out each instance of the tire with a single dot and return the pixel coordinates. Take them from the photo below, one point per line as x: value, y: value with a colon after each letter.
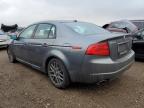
x: 58, y: 74
x: 11, y: 56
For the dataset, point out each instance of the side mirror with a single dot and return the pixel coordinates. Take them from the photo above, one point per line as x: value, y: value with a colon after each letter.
x: 13, y: 37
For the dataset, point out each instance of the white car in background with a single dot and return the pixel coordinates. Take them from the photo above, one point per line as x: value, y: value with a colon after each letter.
x: 4, y: 39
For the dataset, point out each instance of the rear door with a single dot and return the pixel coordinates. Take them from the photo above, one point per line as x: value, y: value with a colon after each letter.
x: 21, y: 44
x: 41, y: 44
x: 138, y: 44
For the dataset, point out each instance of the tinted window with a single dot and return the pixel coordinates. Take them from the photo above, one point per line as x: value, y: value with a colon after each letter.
x: 86, y: 28
x: 43, y: 31
x: 142, y: 33
x: 28, y: 32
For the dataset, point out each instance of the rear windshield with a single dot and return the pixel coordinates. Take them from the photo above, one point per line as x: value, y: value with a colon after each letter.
x: 86, y: 28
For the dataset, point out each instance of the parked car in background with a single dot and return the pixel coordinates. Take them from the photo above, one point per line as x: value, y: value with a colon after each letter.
x: 112, y: 29
x: 4, y: 40
x: 124, y: 26
x: 138, y: 44
x: 73, y: 51
x: 138, y: 23
x: 11, y: 34
x: 14, y: 33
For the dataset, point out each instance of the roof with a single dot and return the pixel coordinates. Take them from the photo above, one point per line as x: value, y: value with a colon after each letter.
x: 57, y: 21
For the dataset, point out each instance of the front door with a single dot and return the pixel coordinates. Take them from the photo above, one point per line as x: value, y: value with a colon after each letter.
x: 21, y: 44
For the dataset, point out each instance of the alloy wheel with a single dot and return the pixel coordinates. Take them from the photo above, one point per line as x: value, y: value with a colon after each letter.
x: 55, y: 71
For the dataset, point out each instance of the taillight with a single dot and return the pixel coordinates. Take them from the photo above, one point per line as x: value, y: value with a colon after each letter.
x: 100, y: 49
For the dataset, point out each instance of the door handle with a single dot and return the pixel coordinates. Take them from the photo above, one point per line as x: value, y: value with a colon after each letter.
x: 45, y: 45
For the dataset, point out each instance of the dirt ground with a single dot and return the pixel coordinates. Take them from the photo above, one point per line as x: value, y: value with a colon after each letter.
x: 24, y: 87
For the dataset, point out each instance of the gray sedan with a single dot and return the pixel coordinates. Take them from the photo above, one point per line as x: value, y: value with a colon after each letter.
x: 72, y: 51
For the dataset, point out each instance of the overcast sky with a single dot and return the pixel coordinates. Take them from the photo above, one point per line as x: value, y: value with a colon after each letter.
x: 25, y: 12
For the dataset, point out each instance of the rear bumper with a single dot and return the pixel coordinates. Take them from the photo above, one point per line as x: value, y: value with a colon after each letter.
x: 99, y: 69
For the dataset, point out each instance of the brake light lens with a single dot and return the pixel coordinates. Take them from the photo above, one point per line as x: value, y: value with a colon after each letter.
x: 100, y: 49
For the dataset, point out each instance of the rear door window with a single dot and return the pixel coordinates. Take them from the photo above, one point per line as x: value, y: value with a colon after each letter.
x: 45, y: 31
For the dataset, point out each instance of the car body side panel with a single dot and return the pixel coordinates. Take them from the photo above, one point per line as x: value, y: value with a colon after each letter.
x: 72, y: 60
x: 70, y: 48
x: 20, y: 49
x: 37, y: 49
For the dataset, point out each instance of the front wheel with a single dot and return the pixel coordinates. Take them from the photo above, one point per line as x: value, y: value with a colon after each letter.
x: 58, y: 74
x: 11, y: 56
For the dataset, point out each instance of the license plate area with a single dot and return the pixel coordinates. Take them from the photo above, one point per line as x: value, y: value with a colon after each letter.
x: 123, y: 47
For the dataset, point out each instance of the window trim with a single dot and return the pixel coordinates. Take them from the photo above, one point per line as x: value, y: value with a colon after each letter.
x: 34, y: 35
x: 55, y: 32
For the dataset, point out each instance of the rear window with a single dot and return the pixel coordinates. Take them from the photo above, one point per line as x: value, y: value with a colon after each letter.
x: 86, y: 28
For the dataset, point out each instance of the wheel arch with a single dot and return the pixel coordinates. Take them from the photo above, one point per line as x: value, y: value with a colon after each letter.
x: 56, y: 54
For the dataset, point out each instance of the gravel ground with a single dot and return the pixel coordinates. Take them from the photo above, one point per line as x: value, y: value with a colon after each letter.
x: 24, y: 87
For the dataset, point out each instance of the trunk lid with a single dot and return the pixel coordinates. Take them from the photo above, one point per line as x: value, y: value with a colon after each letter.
x: 120, y: 46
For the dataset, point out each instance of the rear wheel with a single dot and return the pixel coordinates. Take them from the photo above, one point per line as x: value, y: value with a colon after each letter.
x: 11, y: 56
x: 57, y: 73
